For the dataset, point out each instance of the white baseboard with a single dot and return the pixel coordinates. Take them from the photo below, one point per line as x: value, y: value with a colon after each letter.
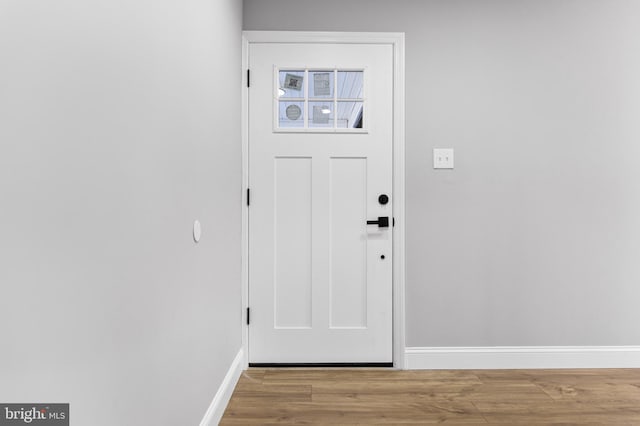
x: 519, y: 357
x: 222, y: 397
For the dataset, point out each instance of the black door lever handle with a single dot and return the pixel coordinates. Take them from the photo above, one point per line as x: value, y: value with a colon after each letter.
x: 382, y: 222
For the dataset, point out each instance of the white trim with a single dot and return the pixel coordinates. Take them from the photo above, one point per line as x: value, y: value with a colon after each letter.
x: 399, y: 265
x: 322, y: 37
x: 244, y: 233
x: 221, y: 399
x: 519, y: 357
x: 397, y: 41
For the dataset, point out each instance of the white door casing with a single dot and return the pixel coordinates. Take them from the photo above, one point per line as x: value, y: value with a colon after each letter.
x: 320, y: 279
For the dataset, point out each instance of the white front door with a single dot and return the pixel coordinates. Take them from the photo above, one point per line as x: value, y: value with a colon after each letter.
x: 320, y: 167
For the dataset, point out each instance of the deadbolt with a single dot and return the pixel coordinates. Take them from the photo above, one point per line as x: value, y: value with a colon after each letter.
x: 383, y: 199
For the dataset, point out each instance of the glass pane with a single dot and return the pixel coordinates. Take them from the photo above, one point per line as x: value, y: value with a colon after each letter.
x: 321, y: 84
x: 291, y: 84
x: 290, y: 114
x: 350, y: 115
x: 321, y: 114
x: 350, y: 84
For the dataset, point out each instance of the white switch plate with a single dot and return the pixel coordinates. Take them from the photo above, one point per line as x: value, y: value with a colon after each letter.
x: 443, y: 158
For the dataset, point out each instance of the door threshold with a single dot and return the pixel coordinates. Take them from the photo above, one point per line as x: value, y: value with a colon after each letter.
x: 319, y: 364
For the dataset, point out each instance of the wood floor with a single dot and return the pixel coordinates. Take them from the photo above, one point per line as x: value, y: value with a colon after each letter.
x: 384, y: 396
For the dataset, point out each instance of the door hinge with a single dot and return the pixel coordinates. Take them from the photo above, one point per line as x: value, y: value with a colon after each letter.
x: 248, y: 196
x: 248, y: 78
x: 394, y: 223
x: 248, y: 315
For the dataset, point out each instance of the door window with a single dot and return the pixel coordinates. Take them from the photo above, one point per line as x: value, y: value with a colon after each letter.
x: 320, y: 100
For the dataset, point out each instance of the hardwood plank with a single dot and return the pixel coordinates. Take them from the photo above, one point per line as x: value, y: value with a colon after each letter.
x: 319, y: 375
x: 513, y: 392
x: 264, y: 393
x: 349, y: 413
x: 385, y: 396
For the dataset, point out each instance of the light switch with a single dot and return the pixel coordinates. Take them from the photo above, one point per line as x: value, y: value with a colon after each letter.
x: 443, y: 158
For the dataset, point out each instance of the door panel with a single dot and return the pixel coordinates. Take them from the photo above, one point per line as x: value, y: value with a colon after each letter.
x: 320, y: 154
x: 348, y: 244
x: 292, y: 242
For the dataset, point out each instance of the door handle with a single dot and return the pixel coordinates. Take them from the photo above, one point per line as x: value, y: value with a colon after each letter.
x: 382, y: 222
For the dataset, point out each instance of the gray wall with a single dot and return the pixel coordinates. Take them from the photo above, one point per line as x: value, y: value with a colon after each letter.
x: 534, y: 238
x: 119, y: 126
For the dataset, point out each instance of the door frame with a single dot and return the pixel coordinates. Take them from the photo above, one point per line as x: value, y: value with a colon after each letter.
x: 396, y: 40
